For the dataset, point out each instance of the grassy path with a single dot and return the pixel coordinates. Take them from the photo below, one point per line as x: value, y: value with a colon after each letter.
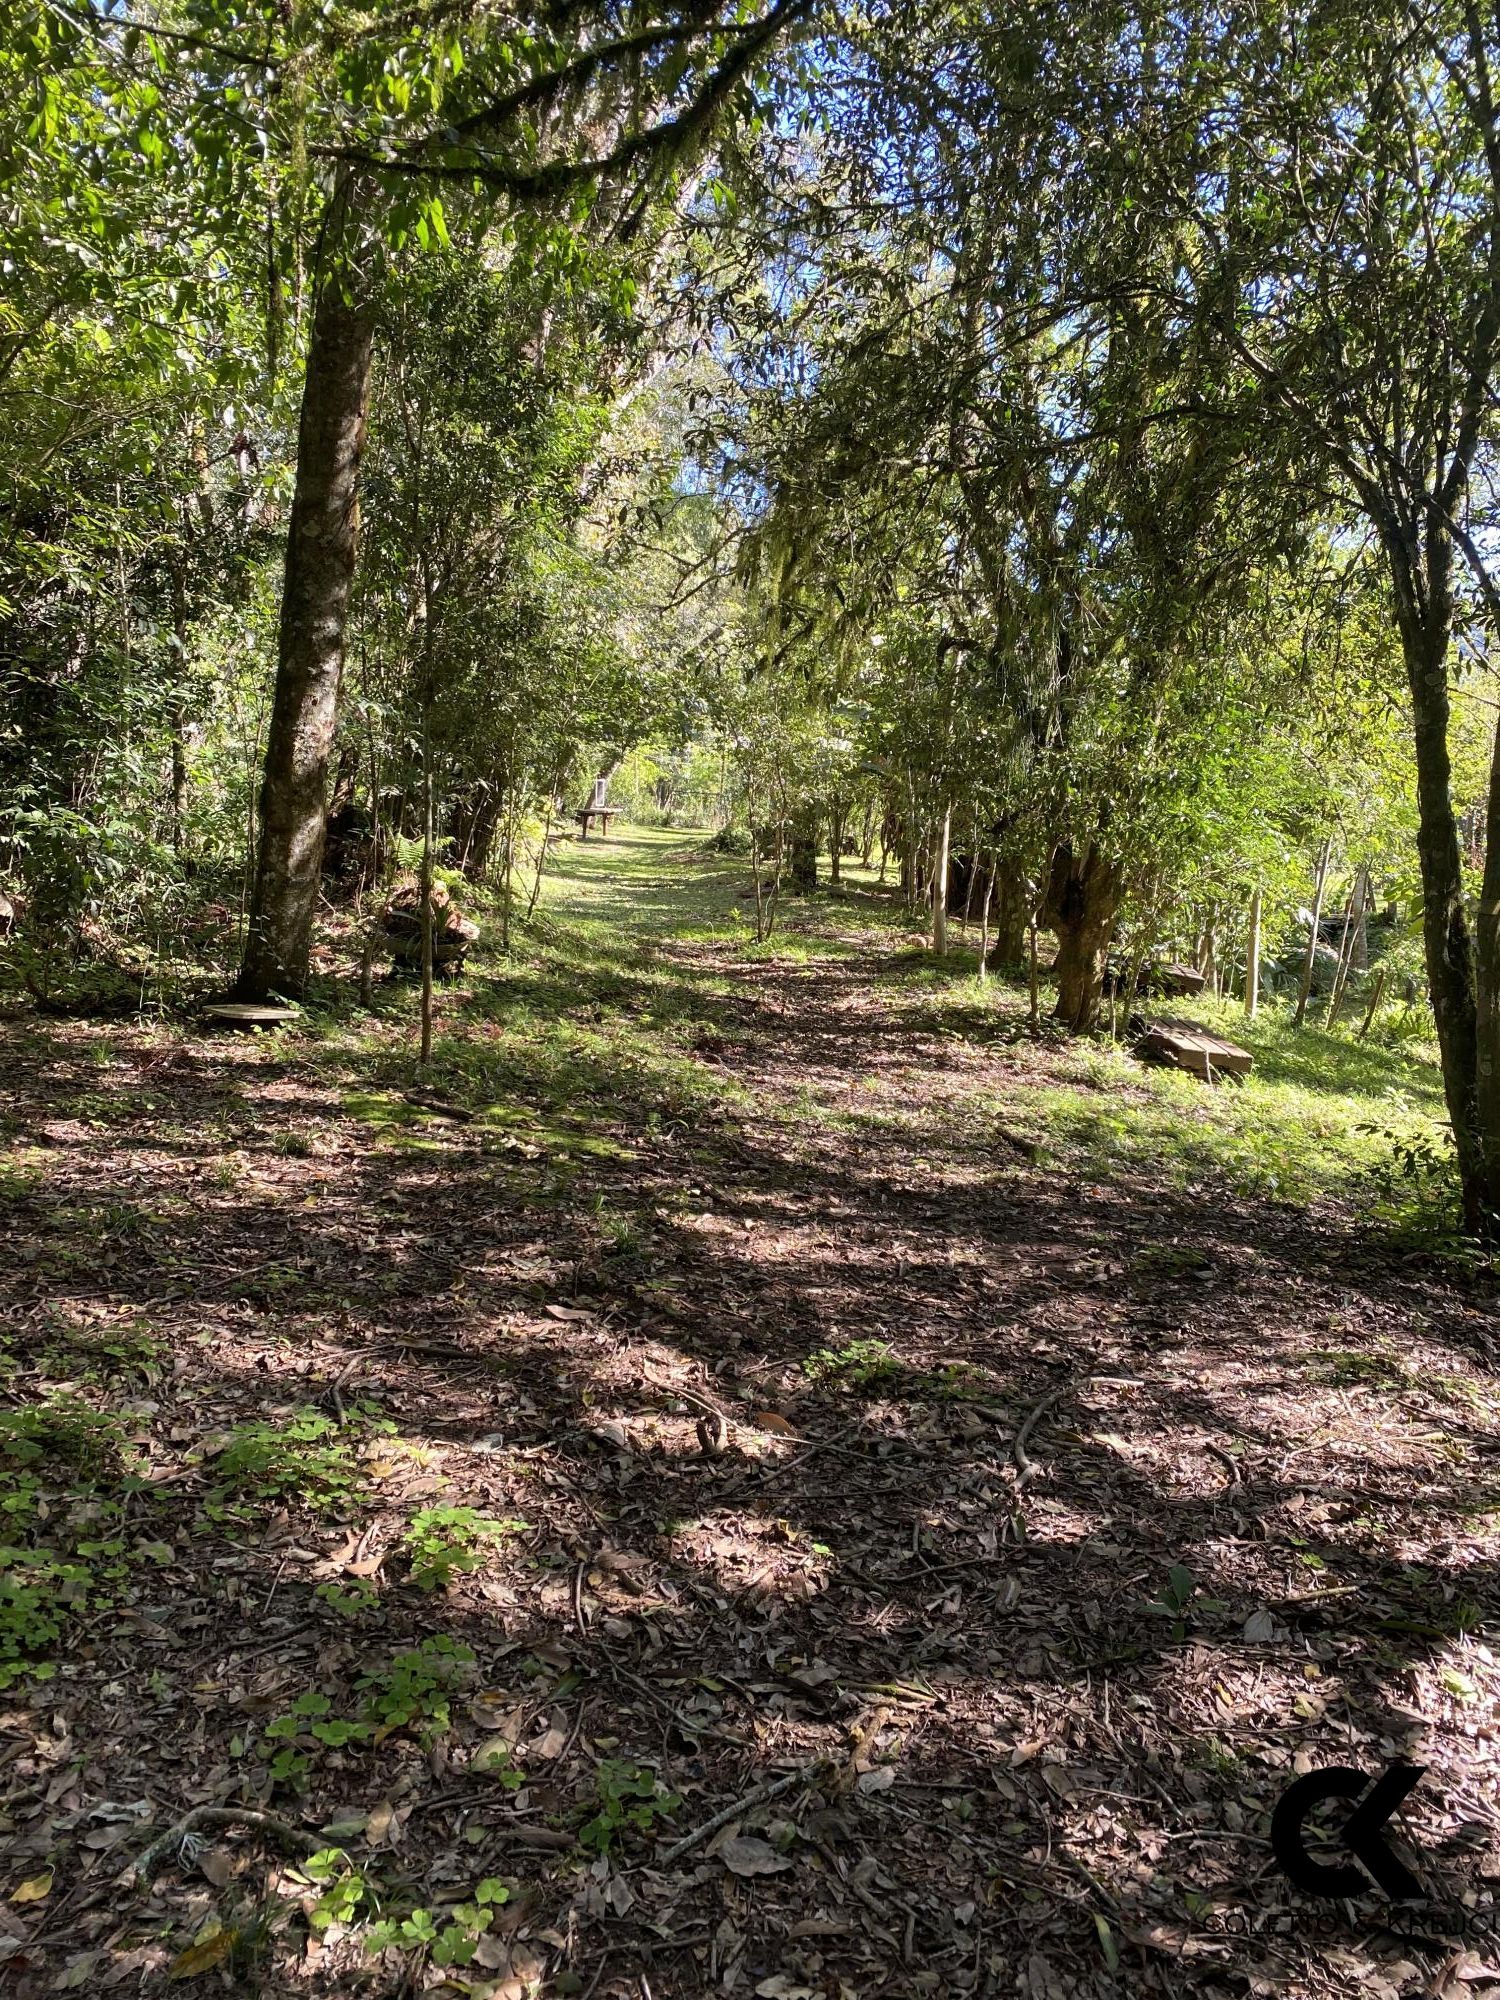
x: 772, y: 1377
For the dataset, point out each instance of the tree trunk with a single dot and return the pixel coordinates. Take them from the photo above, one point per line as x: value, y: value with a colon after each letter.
x: 1373, y: 1008
x: 374, y: 933
x: 1208, y: 952
x: 541, y: 860
x: 1472, y: 1091
x: 1310, y: 961
x: 1482, y: 1212
x: 802, y: 860
x: 776, y: 874
x: 472, y: 825
x: 984, y: 926
x: 941, y: 835
x: 177, y: 572
x: 508, y: 867
x: 320, y: 554
x: 1359, y: 942
x: 1083, y: 896
x: 1348, y: 940
x: 426, y: 1056
x: 760, y: 915
x: 1252, y: 960
x: 1011, y: 918
x: 179, y: 780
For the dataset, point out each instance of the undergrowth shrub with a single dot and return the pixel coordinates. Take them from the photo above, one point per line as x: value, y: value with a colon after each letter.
x: 66, y: 1473
x: 311, y: 1458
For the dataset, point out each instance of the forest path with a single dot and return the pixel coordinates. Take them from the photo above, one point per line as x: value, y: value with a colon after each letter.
x: 1068, y: 1503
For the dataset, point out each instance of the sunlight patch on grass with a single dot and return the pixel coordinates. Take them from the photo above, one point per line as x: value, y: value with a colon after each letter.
x: 1315, y: 1116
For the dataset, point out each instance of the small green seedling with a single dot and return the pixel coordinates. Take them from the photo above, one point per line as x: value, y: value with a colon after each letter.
x: 449, y: 1936
x: 1180, y: 1591
x: 443, y: 1542
x: 344, y: 1888
x: 311, y: 1459
x: 309, y: 1723
x: 630, y: 1801
x: 416, y: 1689
x: 858, y: 1365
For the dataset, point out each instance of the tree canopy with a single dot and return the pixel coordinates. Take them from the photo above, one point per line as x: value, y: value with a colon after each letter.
x: 1061, y: 443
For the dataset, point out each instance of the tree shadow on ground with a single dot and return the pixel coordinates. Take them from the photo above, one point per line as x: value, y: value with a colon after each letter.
x: 1028, y: 1754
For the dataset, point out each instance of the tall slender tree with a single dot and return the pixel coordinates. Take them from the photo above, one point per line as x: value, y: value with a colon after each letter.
x: 607, y: 101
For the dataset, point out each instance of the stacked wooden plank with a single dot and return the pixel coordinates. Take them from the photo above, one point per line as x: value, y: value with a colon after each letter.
x: 1184, y: 1045
x: 1179, y: 978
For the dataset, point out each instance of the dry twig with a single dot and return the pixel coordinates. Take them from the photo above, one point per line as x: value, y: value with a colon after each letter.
x: 1027, y: 1467
x: 280, y: 1830
x: 772, y: 1790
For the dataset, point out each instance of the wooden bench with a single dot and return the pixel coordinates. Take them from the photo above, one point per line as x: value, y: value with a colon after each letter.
x: 1183, y: 1045
x: 604, y: 814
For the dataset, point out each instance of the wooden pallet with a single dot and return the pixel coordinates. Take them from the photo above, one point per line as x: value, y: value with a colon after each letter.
x: 1183, y: 1046
x: 1180, y: 979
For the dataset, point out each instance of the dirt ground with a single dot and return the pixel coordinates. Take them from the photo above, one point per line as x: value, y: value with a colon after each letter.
x: 920, y: 1569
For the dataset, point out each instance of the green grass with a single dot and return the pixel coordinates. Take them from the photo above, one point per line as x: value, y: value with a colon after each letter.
x: 1318, y: 1114
x: 580, y: 1025
x: 587, y: 1034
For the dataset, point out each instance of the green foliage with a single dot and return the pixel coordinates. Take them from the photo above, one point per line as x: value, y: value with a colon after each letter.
x: 107, y: 1355
x: 1179, y: 1595
x: 349, y: 1600
x: 442, y: 1542
x: 344, y: 1889
x: 64, y: 1434
x: 859, y: 1364
x: 448, y: 1936
x: 412, y: 1691
x: 415, y: 1690
x: 1417, y: 1196
x: 39, y: 1592
x: 64, y: 1482
x: 147, y: 414
x: 310, y: 1458
x: 294, y: 1738
x: 631, y: 1804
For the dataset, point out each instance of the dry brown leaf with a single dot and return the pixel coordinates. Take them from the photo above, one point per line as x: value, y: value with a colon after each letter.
x: 774, y: 1422
x: 203, y: 1956
x: 744, y: 1854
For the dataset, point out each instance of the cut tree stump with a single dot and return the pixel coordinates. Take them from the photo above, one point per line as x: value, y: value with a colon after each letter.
x: 452, y: 931
x: 1182, y: 1045
x: 248, y: 1014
